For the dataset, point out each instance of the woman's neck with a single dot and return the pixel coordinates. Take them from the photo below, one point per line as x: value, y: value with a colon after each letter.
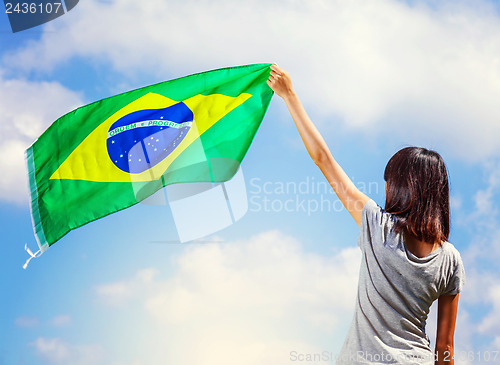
x: 420, y: 248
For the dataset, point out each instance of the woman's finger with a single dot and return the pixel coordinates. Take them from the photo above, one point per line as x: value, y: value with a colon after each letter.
x: 276, y: 68
x: 274, y: 74
x: 271, y: 84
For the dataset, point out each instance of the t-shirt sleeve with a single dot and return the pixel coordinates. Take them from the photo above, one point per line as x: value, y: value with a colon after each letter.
x: 457, y: 279
x: 375, y: 224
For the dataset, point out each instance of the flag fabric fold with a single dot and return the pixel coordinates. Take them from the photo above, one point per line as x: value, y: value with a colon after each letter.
x: 111, y: 154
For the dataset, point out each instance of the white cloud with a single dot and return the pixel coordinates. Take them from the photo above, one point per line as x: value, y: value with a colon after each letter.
x: 26, y: 109
x: 57, y: 351
x: 249, y: 274
x: 484, y: 217
x: 496, y: 343
x: 52, y: 349
x: 256, y: 300
x: 114, y: 294
x: 491, y: 322
x: 118, y: 293
x: 250, y: 301
x: 26, y: 321
x: 481, y: 263
x: 427, y: 75
x: 62, y: 320
x: 486, y: 209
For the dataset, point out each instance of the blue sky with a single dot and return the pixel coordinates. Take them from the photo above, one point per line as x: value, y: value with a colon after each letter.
x: 375, y: 76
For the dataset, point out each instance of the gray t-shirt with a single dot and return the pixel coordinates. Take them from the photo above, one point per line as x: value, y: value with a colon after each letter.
x: 395, y: 292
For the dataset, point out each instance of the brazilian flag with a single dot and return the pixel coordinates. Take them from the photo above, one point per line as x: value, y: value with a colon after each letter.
x: 113, y: 153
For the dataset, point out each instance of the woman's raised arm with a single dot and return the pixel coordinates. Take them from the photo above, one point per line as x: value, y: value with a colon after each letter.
x: 352, y: 198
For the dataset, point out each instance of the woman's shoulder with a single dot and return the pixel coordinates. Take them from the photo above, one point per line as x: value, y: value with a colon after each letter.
x: 453, y: 265
x: 376, y: 223
x: 374, y: 213
x: 451, y: 251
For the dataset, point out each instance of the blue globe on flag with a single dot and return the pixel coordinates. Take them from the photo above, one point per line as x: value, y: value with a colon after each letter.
x: 140, y: 140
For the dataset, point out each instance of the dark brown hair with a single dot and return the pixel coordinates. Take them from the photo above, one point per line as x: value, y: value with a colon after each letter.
x: 418, y: 194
